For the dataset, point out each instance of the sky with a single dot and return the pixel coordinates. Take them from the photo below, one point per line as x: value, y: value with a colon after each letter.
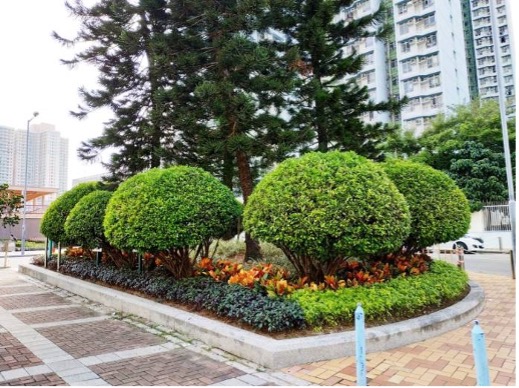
x: 33, y: 79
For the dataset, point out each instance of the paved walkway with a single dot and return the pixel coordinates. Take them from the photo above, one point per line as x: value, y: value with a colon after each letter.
x: 51, y: 337
x: 440, y: 361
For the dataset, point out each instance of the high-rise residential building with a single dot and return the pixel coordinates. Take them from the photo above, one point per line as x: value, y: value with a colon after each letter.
x: 432, y: 65
x: 441, y: 55
x: 47, y: 157
x: 487, y: 31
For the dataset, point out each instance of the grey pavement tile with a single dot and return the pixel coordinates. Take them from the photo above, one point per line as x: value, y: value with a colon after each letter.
x: 93, y: 382
x: 74, y: 371
x: 58, y: 366
x: 252, y: 380
x: 81, y: 377
x: 62, y: 358
x: 91, y: 360
x: 38, y: 370
x: 108, y: 357
x: 14, y: 374
x: 232, y: 382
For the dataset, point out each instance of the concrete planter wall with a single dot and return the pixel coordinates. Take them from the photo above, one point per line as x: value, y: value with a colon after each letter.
x: 261, y: 349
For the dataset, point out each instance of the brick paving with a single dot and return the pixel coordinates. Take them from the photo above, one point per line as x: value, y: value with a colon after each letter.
x: 61, y: 349
x: 90, y: 339
x: 176, y: 367
x: 48, y: 379
x: 18, y: 289
x: 55, y: 315
x: 445, y: 360
x: 13, y: 354
x: 11, y: 302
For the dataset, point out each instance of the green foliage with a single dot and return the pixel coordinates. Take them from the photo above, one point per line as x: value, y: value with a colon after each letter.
x: 10, y: 203
x: 468, y: 146
x: 84, y: 224
x: 325, y: 207
x: 397, y: 298
x: 169, y: 212
x: 480, y: 173
x: 324, y: 105
x: 53, y: 222
x: 163, y: 209
x: 229, y: 301
x: 439, y: 209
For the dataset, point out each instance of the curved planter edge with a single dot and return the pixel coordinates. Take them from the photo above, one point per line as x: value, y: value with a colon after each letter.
x: 263, y: 350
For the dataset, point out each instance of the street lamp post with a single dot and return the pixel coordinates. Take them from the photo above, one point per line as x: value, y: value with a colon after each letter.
x: 24, y: 214
x: 504, y: 125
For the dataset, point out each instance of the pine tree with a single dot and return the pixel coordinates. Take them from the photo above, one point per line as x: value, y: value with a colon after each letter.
x: 325, y: 104
x: 127, y: 44
x: 244, y: 87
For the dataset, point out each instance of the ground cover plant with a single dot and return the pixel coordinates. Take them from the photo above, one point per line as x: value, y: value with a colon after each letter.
x: 267, y: 299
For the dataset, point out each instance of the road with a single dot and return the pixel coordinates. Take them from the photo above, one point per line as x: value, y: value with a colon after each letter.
x: 486, y: 263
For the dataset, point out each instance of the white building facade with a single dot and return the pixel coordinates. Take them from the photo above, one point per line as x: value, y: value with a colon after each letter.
x: 493, y: 59
x: 47, y: 158
x: 432, y: 66
x: 436, y: 49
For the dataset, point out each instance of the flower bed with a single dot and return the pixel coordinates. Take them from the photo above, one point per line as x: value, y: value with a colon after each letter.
x: 261, y: 298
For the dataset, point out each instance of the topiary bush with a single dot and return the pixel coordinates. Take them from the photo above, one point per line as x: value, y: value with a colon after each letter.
x: 173, y: 213
x: 53, y: 222
x: 440, y: 211
x: 84, y: 226
x: 323, y: 208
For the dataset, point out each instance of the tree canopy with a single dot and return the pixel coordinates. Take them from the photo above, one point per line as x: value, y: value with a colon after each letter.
x: 10, y: 203
x: 468, y: 146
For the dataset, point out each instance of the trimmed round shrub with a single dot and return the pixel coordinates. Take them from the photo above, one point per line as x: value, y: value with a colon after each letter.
x: 323, y: 208
x: 53, y: 222
x: 440, y: 211
x: 169, y: 212
x: 84, y: 224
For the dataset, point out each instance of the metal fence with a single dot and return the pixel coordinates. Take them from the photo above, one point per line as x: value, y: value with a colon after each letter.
x: 496, y: 217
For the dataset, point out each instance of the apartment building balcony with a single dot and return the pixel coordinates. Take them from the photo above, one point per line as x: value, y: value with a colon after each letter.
x: 404, y: 9
x: 481, y: 22
x: 418, y: 46
x: 479, y: 3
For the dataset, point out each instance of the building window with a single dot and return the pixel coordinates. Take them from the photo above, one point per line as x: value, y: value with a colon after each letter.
x: 430, y: 40
x: 429, y: 20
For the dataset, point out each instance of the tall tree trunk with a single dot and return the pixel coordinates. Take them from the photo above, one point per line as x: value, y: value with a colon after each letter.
x: 228, y: 168
x: 252, y: 248
x: 156, y: 108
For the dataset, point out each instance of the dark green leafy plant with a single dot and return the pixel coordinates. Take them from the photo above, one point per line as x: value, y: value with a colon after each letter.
x: 84, y: 224
x: 173, y: 213
x: 230, y: 301
x: 323, y: 208
x: 439, y: 209
x: 53, y: 222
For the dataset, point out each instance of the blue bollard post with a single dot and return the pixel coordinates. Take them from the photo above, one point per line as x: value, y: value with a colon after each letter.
x: 480, y: 355
x: 360, y: 346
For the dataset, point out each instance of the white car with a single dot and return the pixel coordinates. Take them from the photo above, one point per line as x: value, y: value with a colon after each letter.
x: 468, y: 242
